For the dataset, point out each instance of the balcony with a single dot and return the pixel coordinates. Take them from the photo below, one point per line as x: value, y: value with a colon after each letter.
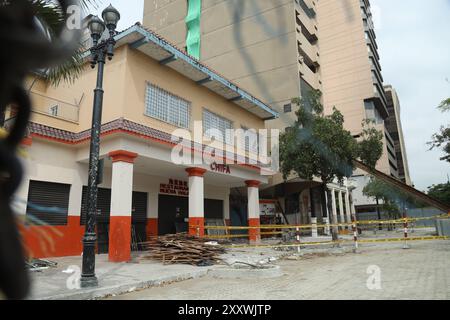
x: 307, y: 26
x: 374, y: 61
x: 379, y: 99
x: 308, y: 50
x: 310, y: 77
x: 310, y: 12
x: 54, y: 108
x: 376, y: 72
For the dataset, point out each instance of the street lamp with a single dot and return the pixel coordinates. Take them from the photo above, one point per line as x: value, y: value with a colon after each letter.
x: 100, y: 50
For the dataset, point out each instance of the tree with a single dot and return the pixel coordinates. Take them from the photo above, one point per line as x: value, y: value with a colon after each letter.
x: 52, y: 20
x: 317, y: 145
x: 394, y: 201
x: 370, y: 148
x: 440, y: 192
x: 388, y: 195
x: 445, y: 105
x: 442, y: 138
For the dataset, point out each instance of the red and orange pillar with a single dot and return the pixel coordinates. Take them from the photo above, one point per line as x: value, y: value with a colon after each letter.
x: 121, y: 205
x: 196, y: 202
x: 253, y: 210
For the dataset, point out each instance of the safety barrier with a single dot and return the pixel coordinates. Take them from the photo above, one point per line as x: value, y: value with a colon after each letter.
x: 305, y: 244
x: 281, y: 229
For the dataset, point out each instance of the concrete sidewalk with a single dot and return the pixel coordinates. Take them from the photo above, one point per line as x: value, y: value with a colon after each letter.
x: 119, y: 278
x: 114, y: 278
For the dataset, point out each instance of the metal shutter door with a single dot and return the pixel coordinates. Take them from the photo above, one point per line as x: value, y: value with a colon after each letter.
x: 103, y: 205
x: 48, y: 203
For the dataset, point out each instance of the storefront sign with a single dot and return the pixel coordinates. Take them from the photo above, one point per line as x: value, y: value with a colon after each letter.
x: 222, y: 168
x: 175, y: 187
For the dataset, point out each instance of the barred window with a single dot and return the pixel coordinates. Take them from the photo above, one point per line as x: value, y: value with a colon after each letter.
x: 250, y: 140
x: 164, y: 106
x: 213, y: 121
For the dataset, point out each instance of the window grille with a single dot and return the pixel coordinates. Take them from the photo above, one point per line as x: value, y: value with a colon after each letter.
x: 213, y: 121
x: 162, y: 105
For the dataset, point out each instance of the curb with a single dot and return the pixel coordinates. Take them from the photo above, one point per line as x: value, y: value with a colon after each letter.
x: 99, y: 293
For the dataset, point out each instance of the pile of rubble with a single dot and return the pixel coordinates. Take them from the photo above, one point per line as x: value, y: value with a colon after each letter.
x: 40, y: 264
x: 184, y: 249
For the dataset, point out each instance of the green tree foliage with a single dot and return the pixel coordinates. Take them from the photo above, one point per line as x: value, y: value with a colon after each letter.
x: 370, y: 149
x: 442, y: 138
x: 440, y: 192
x: 393, y: 200
x: 445, y: 105
x: 386, y: 194
x: 317, y: 145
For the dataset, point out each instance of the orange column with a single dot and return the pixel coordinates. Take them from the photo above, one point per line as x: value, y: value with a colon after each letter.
x: 253, y: 210
x: 152, y: 227
x: 121, y: 203
x: 196, y: 202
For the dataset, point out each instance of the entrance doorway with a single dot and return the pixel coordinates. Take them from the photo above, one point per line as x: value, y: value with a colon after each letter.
x: 168, y: 206
x: 138, y: 218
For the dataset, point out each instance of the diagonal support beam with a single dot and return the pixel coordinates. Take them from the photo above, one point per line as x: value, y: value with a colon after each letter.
x: 139, y: 43
x: 203, y: 81
x: 236, y: 98
x: 168, y: 60
x: 402, y: 186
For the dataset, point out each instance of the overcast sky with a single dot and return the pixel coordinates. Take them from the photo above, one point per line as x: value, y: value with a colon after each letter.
x: 414, y: 44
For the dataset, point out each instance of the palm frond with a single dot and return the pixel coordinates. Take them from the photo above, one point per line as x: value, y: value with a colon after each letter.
x: 445, y: 105
x: 52, y: 20
x: 67, y: 71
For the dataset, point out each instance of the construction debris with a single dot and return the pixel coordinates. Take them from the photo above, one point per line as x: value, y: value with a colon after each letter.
x: 184, y: 249
x: 40, y: 264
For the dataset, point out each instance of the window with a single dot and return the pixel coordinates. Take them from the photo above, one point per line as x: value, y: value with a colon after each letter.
x: 48, y: 203
x: 250, y: 140
x: 372, y: 112
x: 164, y: 106
x: 54, y: 110
x: 287, y: 108
x: 213, y: 121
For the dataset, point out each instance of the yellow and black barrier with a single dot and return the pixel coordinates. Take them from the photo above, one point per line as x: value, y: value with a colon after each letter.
x: 318, y: 243
x: 309, y: 226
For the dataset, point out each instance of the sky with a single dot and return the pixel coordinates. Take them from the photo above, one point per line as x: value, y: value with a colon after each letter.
x: 414, y: 46
x: 131, y: 11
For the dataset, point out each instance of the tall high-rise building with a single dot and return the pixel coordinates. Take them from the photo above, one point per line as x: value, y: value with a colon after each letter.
x: 394, y: 127
x: 281, y: 49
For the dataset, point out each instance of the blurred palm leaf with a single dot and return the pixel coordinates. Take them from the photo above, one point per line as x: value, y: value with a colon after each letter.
x: 52, y: 19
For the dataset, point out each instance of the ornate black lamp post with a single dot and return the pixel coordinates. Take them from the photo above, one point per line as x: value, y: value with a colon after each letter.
x: 100, y: 50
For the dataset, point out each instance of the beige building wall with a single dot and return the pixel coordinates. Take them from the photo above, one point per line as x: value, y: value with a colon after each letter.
x: 125, y: 80
x: 277, y: 49
x: 350, y: 71
x: 346, y: 76
x: 254, y: 43
x: 400, y: 146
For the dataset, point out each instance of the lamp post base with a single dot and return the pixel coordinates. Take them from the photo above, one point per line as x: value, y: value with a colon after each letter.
x: 88, y: 282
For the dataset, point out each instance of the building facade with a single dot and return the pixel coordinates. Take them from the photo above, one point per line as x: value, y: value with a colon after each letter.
x: 152, y: 91
x: 280, y: 49
x: 394, y: 126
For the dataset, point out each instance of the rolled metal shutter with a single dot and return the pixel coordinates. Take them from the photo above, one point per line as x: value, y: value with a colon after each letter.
x: 48, y: 203
x: 138, y: 220
x: 103, y: 205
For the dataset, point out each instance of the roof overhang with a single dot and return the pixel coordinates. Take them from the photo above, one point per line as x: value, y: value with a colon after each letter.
x: 167, y: 54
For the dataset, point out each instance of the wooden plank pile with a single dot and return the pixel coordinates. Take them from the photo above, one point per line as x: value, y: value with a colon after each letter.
x: 183, y: 249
